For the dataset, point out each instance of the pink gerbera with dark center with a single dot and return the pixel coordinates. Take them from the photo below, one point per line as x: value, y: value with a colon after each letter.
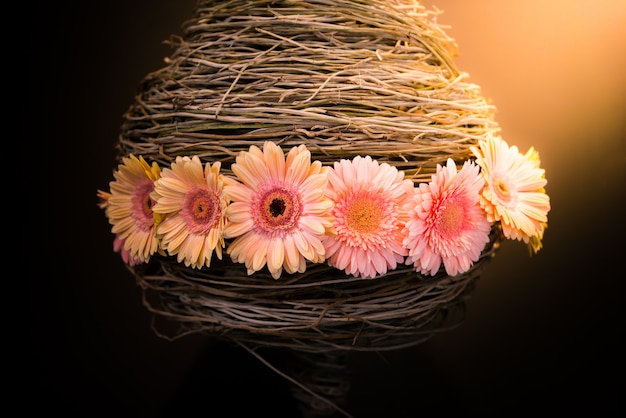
x: 129, y: 206
x: 190, y: 198
x: 368, y: 209
x: 447, y: 224
x: 278, y: 213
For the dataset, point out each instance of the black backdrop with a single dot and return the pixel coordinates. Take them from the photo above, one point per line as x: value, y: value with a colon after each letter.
x: 542, y: 334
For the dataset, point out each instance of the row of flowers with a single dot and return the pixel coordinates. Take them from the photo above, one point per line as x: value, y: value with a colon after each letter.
x: 281, y: 211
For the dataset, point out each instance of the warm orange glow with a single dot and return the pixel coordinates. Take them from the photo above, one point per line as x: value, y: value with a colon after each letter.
x: 556, y: 72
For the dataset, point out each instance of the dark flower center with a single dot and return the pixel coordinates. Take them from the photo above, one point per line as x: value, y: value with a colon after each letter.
x: 276, y: 208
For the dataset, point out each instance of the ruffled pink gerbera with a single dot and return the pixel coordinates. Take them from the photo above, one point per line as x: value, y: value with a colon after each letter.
x: 368, y: 202
x: 129, y: 206
x: 514, y: 192
x: 278, y: 213
x: 447, y: 224
x: 190, y: 198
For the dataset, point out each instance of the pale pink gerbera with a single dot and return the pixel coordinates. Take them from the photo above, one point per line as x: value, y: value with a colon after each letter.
x: 129, y: 206
x: 369, y: 217
x: 118, y: 243
x: 447, y: 224
x: 514, y: 191
x: 278, y: 213
x: 191, y: 200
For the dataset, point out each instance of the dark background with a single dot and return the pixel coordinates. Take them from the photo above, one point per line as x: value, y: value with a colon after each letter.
x: 542, y: 334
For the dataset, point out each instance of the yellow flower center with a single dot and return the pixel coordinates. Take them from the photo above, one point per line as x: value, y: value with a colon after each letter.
x: 363, y: 216
x: 451, y: 218
x: 364, y: 219
x: 502, y: 190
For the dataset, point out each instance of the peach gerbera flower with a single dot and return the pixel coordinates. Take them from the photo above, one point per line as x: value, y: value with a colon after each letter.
x: 103, y: 199
x: 514, y: 191
x: 368, y: 202
x: 278, y: 213
x: 447, y: 224
x: 118, y: 247
x: 118, y: 243
x: 191, y: 200
x: 129, y: 206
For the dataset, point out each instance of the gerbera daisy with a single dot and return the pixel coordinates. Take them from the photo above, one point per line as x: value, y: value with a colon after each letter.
x: 368, y: 202
x: 278, y: 213
x: 514, y: 192
x: 103, y: 199
x: 447, y: 224
x: 191, y: 200
x: 118, y: 243
x: 129, y: 206
x: 118, y: 247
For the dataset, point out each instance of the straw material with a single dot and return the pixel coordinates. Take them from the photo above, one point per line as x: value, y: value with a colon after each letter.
x: 321, y: 310
x: 345, y: 78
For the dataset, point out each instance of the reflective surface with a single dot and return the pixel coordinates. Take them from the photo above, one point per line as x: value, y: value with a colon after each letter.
x: 540, y: 332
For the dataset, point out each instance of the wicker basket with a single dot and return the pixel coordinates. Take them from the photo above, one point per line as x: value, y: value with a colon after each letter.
x: 345, y: 78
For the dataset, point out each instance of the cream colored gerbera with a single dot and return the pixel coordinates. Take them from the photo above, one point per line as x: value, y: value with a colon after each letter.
x: 129, y: 206
x: 278, y: 213
x: 368, y: 202
x: 191, y: 200
x: 447, y: 224
x: 514, y: 192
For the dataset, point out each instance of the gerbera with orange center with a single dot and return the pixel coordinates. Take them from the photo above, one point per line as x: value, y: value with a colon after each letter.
x: 190, y: 198
x: 368, y: 202
x: 129, y: 206
x: 447, y: 224
x: 514, y: 192
x: 278, y: 213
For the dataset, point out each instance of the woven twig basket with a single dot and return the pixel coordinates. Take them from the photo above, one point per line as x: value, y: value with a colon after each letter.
x: 345, y: 78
